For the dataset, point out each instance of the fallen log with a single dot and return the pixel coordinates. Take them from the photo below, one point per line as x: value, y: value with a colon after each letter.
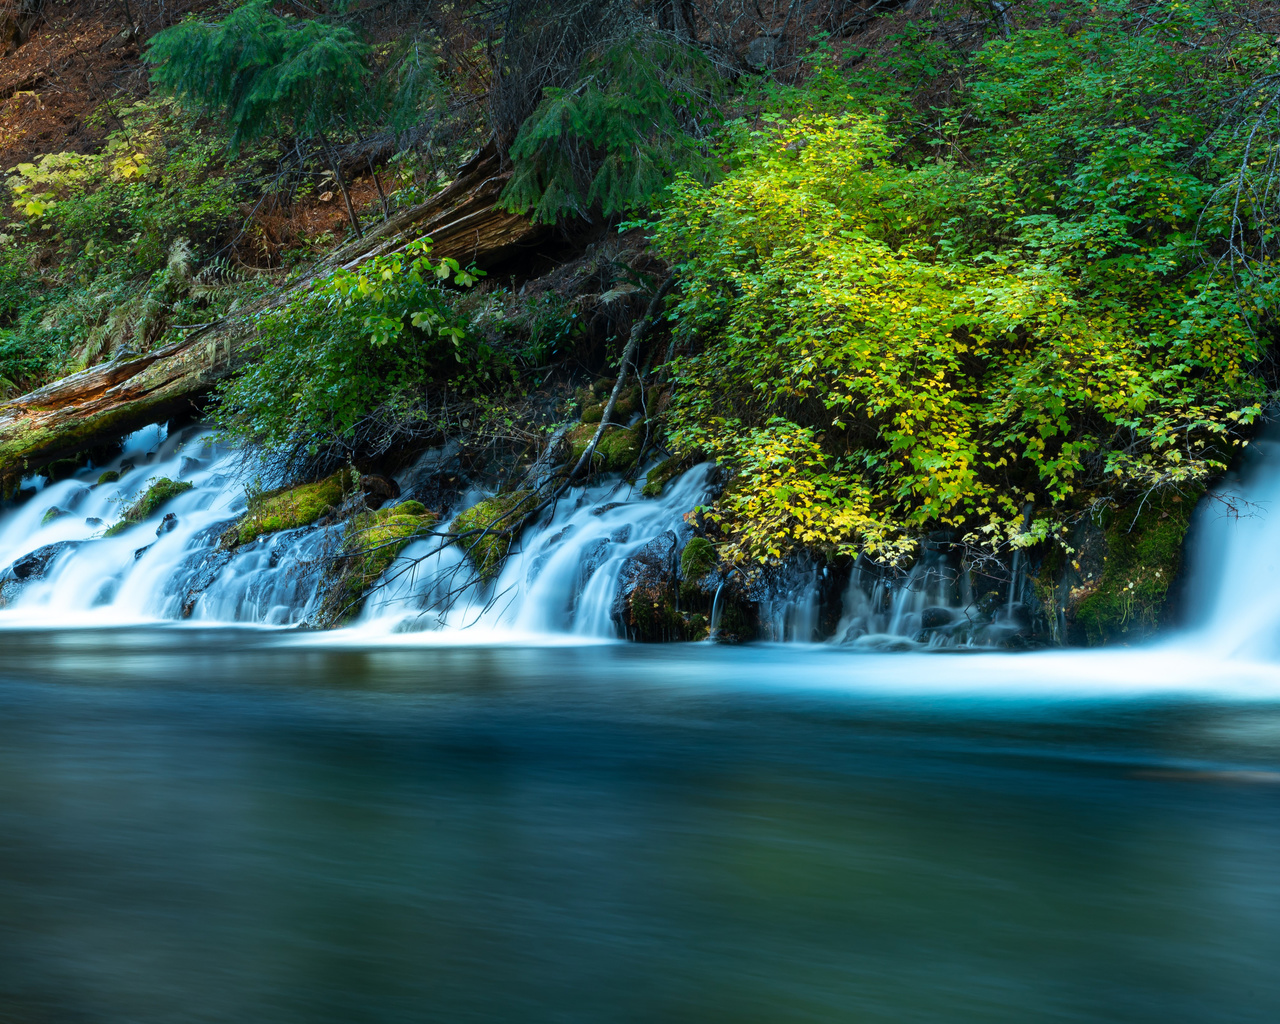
x: 105, y: 402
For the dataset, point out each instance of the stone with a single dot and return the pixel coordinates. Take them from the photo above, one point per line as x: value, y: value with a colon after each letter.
x: 167, y: 524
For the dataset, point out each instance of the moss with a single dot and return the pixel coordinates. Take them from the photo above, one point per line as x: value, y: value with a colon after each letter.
x: 502, y: 512
x: 288, y: 508
x: 697, y: 559
x: 110, y: 476
x: 373, y: 541
x: 628, y: 405
x: 661, y: 475
x: 149, y: 502
x: 618, y: 448
x: 1143, y: 558
x: 52, y: 513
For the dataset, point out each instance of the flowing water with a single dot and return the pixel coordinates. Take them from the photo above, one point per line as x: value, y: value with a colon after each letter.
x: 479, y: 809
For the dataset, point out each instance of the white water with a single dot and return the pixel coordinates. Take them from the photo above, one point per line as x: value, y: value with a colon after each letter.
x: 562, y: 579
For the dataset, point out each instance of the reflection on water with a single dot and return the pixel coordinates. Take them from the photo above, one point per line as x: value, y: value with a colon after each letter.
x: 219, y: 826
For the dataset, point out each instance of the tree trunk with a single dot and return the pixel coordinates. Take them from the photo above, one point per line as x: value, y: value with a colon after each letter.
x: 336, y: 167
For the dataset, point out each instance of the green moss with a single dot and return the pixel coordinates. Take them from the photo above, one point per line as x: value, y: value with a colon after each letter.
x: 149, y: 502
x: 627, y: 405
x: 1143, y: 558
x: 52, y: 513
x: 501, y: 512
x: 110, y: 476
x: 661, y: 475
x: 371, y: 543
x: 697, y: 559
x: 618, y: 448
x: 288, y: 508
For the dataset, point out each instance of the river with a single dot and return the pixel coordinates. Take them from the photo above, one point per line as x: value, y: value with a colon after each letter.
x: 229, y: 824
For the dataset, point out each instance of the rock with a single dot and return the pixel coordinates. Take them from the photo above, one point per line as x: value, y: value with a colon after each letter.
x: 127, y: 466
x: 198, y: 572
x: 110, y: 476
x: 139, y: 552
x: 167, y: 524
x: 94, y: 521
x: 35, y: 564
x: 378, y: 490
x: 188, y: 465
x: 52, y: 513
x: 936, y: 616
x: 76, y: 498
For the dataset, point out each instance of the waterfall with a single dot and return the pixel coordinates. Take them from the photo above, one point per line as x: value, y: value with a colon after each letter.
x: 561, y: 576
x: 565, y: 575
x: 1233, y: 562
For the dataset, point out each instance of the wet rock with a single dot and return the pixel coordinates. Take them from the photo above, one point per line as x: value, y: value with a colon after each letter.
x: 34, y: 565
x: 52, y: 513
x: 188, y: 465
x: 438, y: 478
x: 76, y: 498
x: 378, y: 490
x: 168, y: 524
x: 199, y: 571
x: 936, y: 616
x: 94, y: 522
x: 139, y: 552
x: 25, y: 494
x: 110, y: 476
x: 127, y: 466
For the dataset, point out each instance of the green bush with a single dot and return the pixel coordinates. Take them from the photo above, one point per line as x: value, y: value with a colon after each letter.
x: 355, y: 342
x: 884, y: 341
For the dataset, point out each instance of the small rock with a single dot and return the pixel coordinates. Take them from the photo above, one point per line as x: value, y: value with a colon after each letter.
x: 139, y: 552
x: 76, y: 498
x: 109, y: 476
x: 188, y: 465
x: 125, y: 467
x: 52, y: 513
x: 378, y: 490
x: 935, y: 616
x: 93, y: 521
x: 168, y: 523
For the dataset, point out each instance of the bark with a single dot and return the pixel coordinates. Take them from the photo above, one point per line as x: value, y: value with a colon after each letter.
x: 107, y: 401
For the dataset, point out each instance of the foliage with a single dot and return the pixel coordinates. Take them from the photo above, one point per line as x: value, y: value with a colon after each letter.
x: 881, y: 346
x: 354, y: 342
x: 261, y: 68
x: 125, y: 232
x: 637, y: 114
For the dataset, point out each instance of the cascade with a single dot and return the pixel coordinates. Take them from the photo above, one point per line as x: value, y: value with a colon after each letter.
x: 563, y: 576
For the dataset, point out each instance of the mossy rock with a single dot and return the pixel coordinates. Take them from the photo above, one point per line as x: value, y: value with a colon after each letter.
x: 628, y: 405
x: 697, y: 559
x: 618, y: 448
x: 149, y: 502
x: 373, y: 540
x: 52, y: 513
x: 1143, y: 558
x: 661, y: 475
x: 288, y: 508
x: 109, y: 476
x: 502, y: 513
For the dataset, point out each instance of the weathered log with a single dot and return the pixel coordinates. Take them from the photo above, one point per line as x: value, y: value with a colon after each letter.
x: 107, y: 401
